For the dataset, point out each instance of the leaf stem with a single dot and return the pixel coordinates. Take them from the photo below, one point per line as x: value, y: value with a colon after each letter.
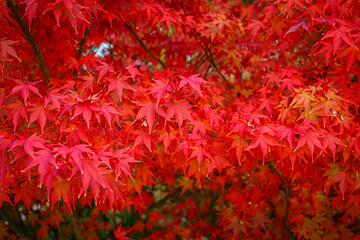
x: 29, y: 37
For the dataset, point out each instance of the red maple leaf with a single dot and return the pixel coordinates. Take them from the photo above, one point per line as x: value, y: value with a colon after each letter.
x: 119, y: 234
x: 194, y: 81
x: 25, y: 89
x: 119, y: 84
x: 148, y: 111
x: 42, y: 158
x: 263, y: 141
x: 180, y: 110
x: 160, y: 89
x: 340, y: 34
x: 122, y: 163
x: 6, y: 49
x: 30, y: 143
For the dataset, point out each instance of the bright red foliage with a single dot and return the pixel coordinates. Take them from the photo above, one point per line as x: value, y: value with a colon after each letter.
x: 179, y: 119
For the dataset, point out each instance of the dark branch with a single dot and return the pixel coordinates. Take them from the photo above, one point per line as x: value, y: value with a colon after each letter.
x: 82, y: 47
x: 12, y: 216
x: 82, y: 43
x: 287, y: 202
x: 212, y: 61
x: 208, y: 53
x: 29, y: 37
x: 144, y: 46
x: 75, y: 220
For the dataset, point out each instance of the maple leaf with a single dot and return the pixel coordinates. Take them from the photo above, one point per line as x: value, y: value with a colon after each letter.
x: 133, y: 71
x: 330, y: 141
x: 38, y: 113
x: 43, y: 231
x: 149, y: 8
x: 180, y: 110
x: 259, y: 220
x: 272, y: 78
x: 76, y: 152
x: 303, y: 99
x: 85, y: 109
x: 30, y: 10
x: 255, y: 26
x: 236, y: 226
x: 186, y: 184
x: 351, y: 55
x: 107, y: 110
x: 55, y: 219
x: 6, y: 49
x: 327, y: 48
x: 53, y: 96
x: 194, y: 81
x: 18, y: 109
x: 285, y: 132
x: 311, y: 140
x: 340, y: 178
x: 25, y: 89
x: 26, y: 193
x: 92, y: 174
x: 103, y: 69
x: 160, y: 89
x: 219, y: 162
x: 200, y: 153
x: 63, y: 189
x: 119, y: 234
x: 169, y: 20
x: 338, y: 34
x: 122, y: 163
x: 142, y: 137
x: 239, y: 143
x: 263, y: 141
x: 148, y: 110
x: 29, y: 144
x: 4, y: 197
x: 119, y: 84
x: 301, y: 23
x: 42, y: 158
x: 88, y: 82
x: 289, y: 83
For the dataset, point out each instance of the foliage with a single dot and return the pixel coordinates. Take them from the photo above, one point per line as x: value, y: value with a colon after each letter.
x: 179, y: 119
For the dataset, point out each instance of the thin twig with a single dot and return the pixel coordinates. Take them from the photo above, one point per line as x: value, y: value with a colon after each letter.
x: 208, y: 53
x: 212, y: 61
x: 144, y: 46
x: 287, y: 202
x: 29, y: 37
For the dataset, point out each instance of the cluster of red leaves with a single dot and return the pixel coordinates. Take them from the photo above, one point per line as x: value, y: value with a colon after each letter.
x: 239, y: 117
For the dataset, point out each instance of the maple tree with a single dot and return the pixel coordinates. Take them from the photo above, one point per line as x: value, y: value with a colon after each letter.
x: 179, y: 119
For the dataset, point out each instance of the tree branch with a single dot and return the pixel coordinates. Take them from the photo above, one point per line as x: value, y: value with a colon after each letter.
x: 76, y: 225
x: 29, y: 37
x: 82, y: 47
x: 12, y: 216
x: 82, y: 43
x: 208, y: 54
x: 144, y: 46
x: 212, y: 61
x: 287, y: 202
